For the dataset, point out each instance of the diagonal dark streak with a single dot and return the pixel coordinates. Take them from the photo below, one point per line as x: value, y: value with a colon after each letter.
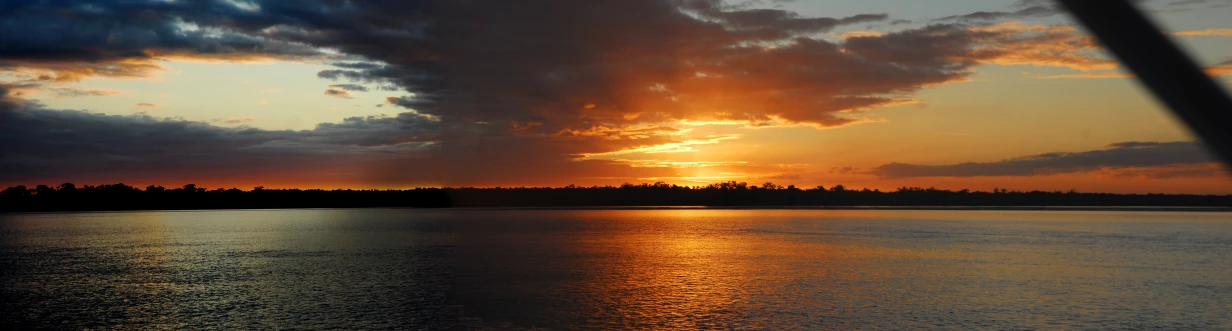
x: 1176, y: 80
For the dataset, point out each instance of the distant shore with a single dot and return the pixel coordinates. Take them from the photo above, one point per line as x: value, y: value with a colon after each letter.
x: 974, y: 208
x: 837, y: 208
x: 730, y: 195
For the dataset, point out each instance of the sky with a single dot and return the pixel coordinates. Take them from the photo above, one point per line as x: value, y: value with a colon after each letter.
x: 329, y: 94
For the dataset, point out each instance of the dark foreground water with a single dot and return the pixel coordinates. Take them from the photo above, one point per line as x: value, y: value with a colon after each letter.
x: 617, y: 269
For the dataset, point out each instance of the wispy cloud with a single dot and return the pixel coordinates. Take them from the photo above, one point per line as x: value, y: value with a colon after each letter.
x: 79, y: 92
x: 1125, y: 155
x: 344, y: 94
x: 671, y: 147
x: 677, y: 164
x: 1099, y: 75
x: 1207, y: 32
x: 349, y: 87
x: 1219, y: 69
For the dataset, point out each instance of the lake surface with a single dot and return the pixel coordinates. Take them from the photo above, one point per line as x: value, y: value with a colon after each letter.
x: 617, y: 269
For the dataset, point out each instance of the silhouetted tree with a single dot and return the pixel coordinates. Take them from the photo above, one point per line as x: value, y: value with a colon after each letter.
x: 731, y: 193
x: 15, y: 191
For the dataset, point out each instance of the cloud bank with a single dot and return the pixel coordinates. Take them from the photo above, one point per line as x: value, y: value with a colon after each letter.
x: 1149, y: 159
x: 499, y: 89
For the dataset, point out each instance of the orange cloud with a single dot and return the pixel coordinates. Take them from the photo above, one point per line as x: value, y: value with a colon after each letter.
x: 235, y: 120
x: 1207, y: 32
x: 1018, y: 43
x: 860, y: 33
x: 1207, y: 170
x: 671, y: 147
x: 636, y: 131
x: 1222, y: 69
x: 1099, y: 75
x: 77, y: 92
x: 148, y: 105
x: 68, y: 71
x: 677, y: 164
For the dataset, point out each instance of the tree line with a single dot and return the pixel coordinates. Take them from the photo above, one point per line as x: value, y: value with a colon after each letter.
x: 70, y: 197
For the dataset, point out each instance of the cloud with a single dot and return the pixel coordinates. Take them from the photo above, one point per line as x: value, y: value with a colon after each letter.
x: 349, y: 87
x: 677, y: 164
x: 860, y: 33
x: 233, y: 120
x: 534, y: 90
x: 533, y: 62
x: 1116, y: 156
x: 378, y: 151
x: 1022, y: 9
x: 1029, y: 12
x: 344, y: 94
x: 79, y: 92
x: 670, y: 147
x: 843, y: 170
x: 1168, y: 172
x: 1220, y: 69
x: 89, y: 144
x: 1186, y: 2
x: 1207, y: 32
x: 770, y: 24
x: 1094, y: 75
x: 11, y: 95
x: 1187, y: 5
x: 28, y: 88
x: 148, y: 105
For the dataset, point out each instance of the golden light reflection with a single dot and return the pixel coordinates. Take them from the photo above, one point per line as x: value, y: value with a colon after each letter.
x: 704, y: 268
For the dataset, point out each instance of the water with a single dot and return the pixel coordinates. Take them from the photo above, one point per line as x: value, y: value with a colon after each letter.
x: 617, y: 269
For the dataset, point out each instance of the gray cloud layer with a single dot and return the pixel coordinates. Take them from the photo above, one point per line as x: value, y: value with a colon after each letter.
x: 1119, y: 155
x: 37, y: 142
x: 1029, y: 12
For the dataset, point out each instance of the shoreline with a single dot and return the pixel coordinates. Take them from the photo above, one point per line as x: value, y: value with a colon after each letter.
x: 870, y: 208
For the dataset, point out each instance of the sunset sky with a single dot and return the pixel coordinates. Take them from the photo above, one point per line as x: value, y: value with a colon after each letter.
x: 397, y: 94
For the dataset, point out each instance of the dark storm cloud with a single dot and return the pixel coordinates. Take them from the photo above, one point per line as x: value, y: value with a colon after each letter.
x: 75, y: 39
x: 508, y: 79
x: 10, y: 95
x: 501, y: 61
x: 356, y: 65
x: 85, y: 142
x: 771, y: 24
x: 402, y: 149
x: 334, y: 74
x: 400, y: 101
x: 1118, y: 155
